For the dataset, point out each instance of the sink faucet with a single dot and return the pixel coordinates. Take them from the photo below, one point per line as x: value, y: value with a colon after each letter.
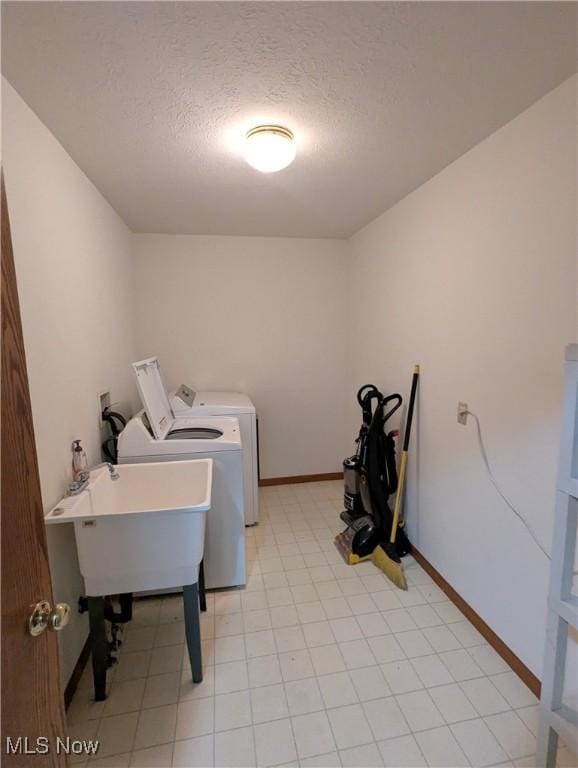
x: 111, y: 468
x: 80, y: 483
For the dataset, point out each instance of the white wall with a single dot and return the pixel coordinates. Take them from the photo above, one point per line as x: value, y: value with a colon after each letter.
x: 260, y: 315
x: 73, y: 264
x: 474, y: 276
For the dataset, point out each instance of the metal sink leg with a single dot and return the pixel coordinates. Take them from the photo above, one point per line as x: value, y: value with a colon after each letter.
x: 193, y: 629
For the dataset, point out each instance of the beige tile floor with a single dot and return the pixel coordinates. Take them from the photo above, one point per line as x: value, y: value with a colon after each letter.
x: 313, y: 664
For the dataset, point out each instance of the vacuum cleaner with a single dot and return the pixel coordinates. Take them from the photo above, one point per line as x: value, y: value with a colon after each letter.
x: 370, y: 478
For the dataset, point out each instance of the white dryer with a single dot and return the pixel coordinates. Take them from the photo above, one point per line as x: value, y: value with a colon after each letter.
x: 185, y: 403
x: 155, y: 436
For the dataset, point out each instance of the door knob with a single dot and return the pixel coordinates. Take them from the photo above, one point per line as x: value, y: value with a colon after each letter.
x: 59, y: 617
x: 43, y: 616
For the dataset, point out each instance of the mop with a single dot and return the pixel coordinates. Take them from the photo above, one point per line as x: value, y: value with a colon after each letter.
x: 385, y: 556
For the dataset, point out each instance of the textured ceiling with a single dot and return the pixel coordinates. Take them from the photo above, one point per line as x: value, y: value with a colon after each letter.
x: 151, y: 98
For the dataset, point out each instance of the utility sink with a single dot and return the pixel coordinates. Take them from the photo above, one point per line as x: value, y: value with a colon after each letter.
x: 145, y: 530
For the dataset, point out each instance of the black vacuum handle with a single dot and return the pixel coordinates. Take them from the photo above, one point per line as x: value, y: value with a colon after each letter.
x: 410, y: 408
x: 386, y: 401
x: 362, y: 393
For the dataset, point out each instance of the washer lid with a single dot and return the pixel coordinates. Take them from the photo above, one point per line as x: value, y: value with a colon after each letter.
x: 232, y: 402
x: 154, y: 396
x: 185, y: 402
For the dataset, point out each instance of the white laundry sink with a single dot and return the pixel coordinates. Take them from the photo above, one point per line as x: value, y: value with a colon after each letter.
x: 145, y: 530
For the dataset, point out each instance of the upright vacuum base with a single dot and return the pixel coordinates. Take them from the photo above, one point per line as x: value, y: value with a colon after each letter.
x: 343, y: 542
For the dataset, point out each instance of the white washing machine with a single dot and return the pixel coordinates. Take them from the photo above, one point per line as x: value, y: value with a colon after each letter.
x: 185, y: 403
x: 155, y: 436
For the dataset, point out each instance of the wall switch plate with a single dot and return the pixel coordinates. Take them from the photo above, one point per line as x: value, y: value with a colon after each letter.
x: 462, y: 413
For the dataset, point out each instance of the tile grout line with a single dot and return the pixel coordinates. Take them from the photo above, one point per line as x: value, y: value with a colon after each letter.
x: 286, y: 699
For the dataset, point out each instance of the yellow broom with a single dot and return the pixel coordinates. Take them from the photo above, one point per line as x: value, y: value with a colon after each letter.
x: 386, y: 557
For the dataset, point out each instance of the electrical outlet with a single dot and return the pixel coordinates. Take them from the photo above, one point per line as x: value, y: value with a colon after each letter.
x: 462, y: 413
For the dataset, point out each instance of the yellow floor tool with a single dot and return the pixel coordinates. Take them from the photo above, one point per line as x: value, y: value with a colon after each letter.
x: 385, y: 557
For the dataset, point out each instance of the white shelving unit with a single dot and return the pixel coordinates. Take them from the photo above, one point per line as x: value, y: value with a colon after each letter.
x: 556, y: 719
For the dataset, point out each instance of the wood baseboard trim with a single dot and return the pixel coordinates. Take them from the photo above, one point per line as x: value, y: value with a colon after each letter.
x: 79, y: 668
x: 517, y: 666
x: 300, y: 479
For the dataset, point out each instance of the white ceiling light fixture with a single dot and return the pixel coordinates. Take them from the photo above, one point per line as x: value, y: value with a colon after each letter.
x: 269, y: 148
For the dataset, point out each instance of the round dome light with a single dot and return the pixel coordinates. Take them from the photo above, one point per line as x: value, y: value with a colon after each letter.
x: 269, y: 148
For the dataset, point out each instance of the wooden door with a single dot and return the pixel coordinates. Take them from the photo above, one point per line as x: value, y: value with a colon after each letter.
x: 32, y: 703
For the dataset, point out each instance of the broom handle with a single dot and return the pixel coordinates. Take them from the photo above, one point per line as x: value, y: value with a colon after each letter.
x: 404, y: 455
